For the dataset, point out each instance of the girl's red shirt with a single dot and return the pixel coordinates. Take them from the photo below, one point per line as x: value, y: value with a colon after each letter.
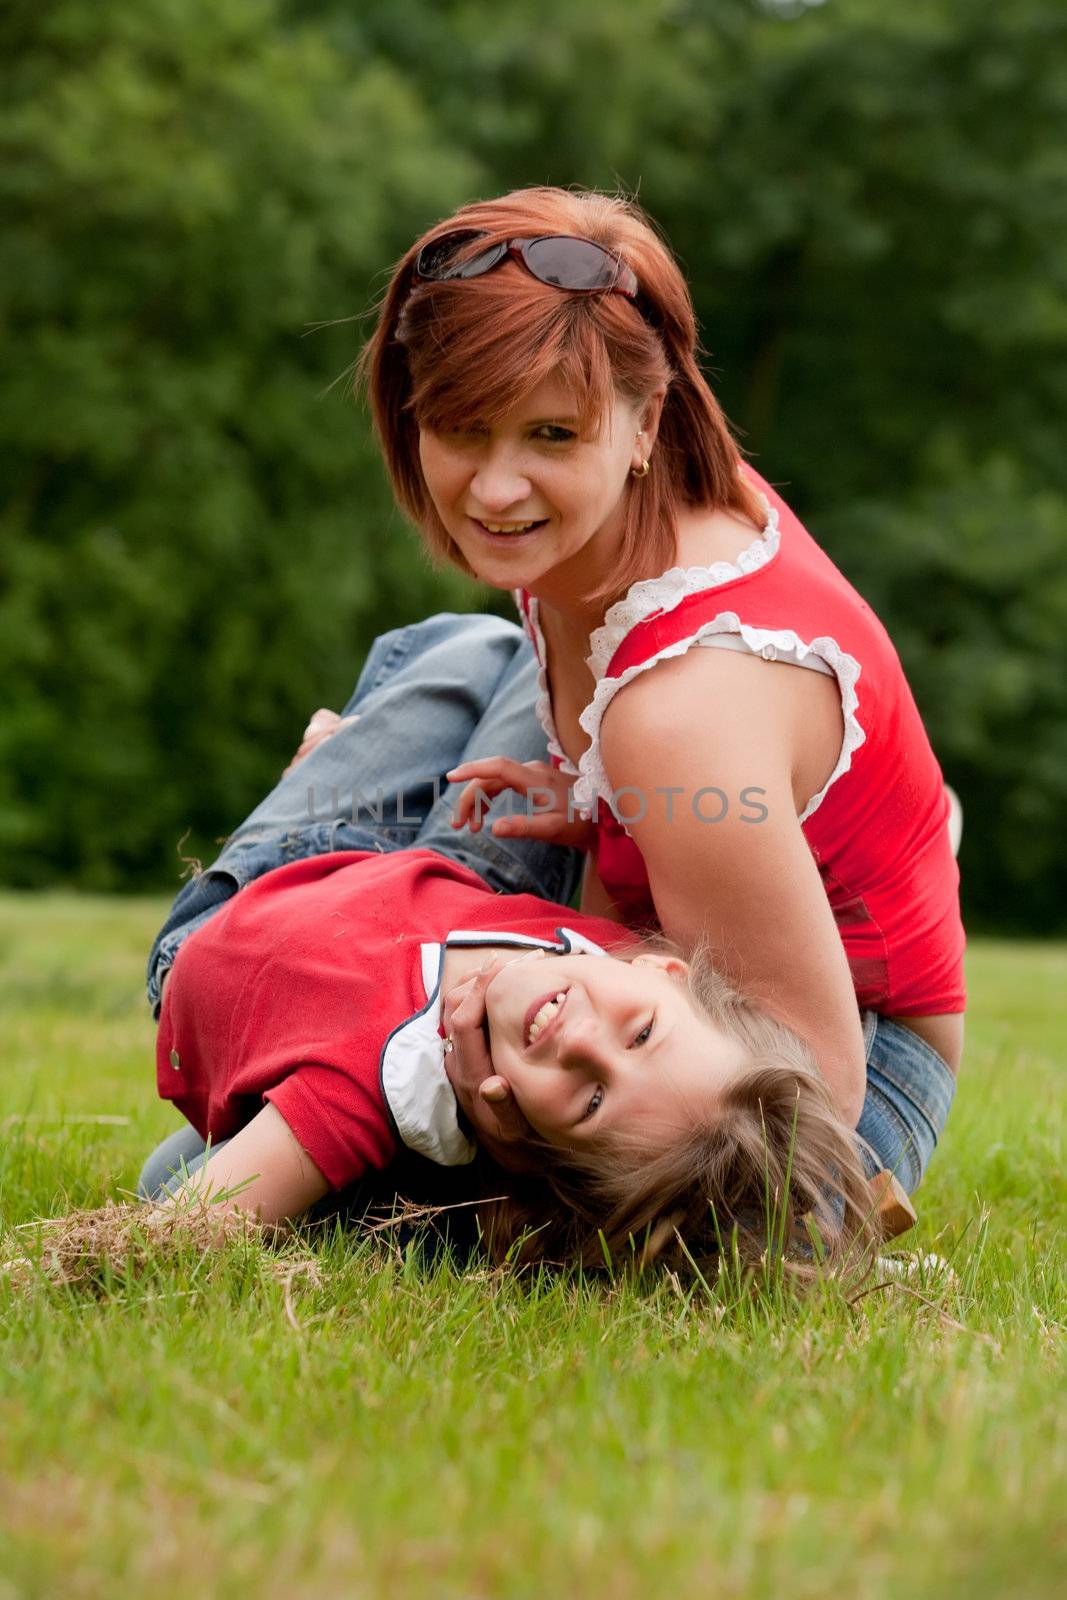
x: 317, y: 987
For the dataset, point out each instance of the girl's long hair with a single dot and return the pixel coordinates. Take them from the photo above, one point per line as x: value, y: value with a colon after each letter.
x: 776, y: 1164
x: 444, y: 355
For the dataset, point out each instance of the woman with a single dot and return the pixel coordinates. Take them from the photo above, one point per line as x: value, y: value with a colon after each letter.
x: 534, y: 385
x: 322, y: 1013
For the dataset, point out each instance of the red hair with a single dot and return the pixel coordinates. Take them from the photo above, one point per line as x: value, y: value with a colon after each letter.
x: 444, y: 355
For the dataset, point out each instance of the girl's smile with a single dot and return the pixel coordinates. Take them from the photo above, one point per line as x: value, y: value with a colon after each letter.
x: 542, y: 1016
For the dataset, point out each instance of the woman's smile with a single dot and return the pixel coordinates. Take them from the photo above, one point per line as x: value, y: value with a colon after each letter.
x: 503, y: 533
x: 513, y: 524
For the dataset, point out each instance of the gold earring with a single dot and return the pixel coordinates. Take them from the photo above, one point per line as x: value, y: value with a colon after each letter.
x: 642, y: 471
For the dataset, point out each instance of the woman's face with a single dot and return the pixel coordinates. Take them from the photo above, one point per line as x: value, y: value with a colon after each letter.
x: 534, y: 467
x: 624, y: 1049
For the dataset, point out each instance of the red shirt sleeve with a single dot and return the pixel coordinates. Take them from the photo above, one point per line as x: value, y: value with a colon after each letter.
x: 336, y: 1120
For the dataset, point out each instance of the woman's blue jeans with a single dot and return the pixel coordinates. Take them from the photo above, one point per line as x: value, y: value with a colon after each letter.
x: 910, y: 1089
x: 432, y: 694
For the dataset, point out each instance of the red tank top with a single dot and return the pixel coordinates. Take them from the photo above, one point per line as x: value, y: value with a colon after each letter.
x: 878, y: 830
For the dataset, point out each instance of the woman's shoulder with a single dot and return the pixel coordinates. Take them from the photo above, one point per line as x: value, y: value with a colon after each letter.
x: 713, y: 547
x: 707, y: 535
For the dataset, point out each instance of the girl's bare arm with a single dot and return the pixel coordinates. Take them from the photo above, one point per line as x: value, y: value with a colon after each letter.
x: 276, y: 1177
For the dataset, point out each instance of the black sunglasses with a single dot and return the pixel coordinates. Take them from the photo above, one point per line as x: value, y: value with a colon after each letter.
x: 560, y: 259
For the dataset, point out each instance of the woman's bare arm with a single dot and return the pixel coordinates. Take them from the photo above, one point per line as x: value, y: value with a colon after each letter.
x: 711, y: 719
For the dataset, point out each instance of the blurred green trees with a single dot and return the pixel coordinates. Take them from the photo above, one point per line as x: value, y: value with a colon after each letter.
x: 197, y: 544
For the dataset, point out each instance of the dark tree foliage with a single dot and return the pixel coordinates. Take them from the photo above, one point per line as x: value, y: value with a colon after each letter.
x: 198, y: 545
x: 197, y: 542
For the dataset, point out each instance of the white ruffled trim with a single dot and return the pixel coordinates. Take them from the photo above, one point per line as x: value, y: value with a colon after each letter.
x: 592, y: 781
x: 664, y: 593
x: 660, y: 594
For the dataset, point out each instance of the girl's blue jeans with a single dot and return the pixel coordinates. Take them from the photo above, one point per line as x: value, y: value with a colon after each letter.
x: 451, y: 689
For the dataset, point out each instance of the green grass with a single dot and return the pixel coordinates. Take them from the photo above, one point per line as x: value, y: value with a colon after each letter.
x: 403, y: 1429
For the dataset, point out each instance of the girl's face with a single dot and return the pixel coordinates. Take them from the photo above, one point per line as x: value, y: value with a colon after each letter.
x: 534, y: 471
x: 624, y: 1049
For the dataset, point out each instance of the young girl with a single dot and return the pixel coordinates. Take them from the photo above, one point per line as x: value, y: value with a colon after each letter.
x: 320, y: 1015
x: 718, y: 700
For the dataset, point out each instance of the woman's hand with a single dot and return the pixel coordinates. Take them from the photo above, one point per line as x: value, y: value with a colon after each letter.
x: 323, y: 725
x: 484, y: 1096
x: 548, y: 814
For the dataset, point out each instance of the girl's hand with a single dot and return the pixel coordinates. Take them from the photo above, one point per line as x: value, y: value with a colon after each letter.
x: 484, y: 1096
x: 323, y: 725
x: 549, y: 812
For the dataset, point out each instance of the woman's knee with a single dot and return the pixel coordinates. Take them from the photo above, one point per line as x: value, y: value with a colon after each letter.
x: 468, y: 641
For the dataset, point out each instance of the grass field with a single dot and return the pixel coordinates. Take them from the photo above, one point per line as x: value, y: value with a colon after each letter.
x: 341, y: 1419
